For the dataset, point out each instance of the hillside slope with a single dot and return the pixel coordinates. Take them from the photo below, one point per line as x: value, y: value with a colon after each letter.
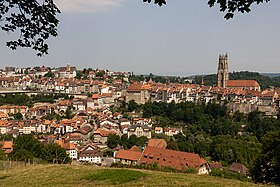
x: 68, y: 175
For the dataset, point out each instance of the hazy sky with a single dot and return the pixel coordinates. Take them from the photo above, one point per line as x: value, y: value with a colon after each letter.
x: 182, y: 38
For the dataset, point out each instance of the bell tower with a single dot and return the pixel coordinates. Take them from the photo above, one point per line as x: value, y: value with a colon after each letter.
x: 222, y: 75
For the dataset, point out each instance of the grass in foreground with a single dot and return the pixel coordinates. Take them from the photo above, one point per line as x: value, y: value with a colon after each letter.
x: 116, y: 176
x: 83, y: 176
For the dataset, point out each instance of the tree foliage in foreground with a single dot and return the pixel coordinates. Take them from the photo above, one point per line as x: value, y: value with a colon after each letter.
x: 228, y: 6
x: 34, y: 20
x: 26, y: 147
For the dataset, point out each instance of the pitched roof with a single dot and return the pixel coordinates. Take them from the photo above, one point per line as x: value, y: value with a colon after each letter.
x: 159, y: 143
x: 239, y: 168
x: 7, y: 145
x: 175, y: 159
x: 242, y: 83
x: 128, y: 155
x: 135, y: 148
x: 95, y: 96
x: 137, y: 87
x: 69, y: 146
x: 215, y: 165
x: 134, y: 87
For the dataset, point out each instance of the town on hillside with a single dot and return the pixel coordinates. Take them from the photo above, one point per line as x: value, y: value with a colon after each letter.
x: 102, y: 117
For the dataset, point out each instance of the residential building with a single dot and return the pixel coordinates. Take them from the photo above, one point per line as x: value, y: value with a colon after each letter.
x: 139, y: 130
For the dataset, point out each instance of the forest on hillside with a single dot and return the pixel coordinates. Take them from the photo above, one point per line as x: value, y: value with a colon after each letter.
x: 264, y: 80
x: 212, y: 132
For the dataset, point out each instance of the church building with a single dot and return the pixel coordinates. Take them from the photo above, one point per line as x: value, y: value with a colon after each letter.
x: 223, y: 77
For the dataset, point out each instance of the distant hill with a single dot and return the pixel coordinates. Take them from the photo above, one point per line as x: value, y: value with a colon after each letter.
x: 264, y: 80
x: 271, y: 74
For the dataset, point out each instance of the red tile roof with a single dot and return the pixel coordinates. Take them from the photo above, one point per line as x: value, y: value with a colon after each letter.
x: 7, y: 145
x: 135, y: 148
x: 159, y: 143
x: 175, y: 159
x: 128, y: 155
x: 95, y: 96
x: 242, y: 83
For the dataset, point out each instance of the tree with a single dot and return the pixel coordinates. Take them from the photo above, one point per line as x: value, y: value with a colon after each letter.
x: 266, y: 168
x: 68, y: 114
x: 132, y: 140
x: 36, y: 20
x: 26, y: 147
x: 53, y: 153
x: 49, y: 74
x: 18, y: 116
x: 228, y: 6
x: 132, y: 106
x: 124, y: 141
x: 113, y: 140
x: 141, y: 141
x: 2, y: 155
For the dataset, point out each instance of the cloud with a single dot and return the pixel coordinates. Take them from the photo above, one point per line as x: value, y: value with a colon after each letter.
x: 87, y: 6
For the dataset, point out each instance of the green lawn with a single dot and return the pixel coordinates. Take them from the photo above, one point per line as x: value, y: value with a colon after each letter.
x: 69, y: 175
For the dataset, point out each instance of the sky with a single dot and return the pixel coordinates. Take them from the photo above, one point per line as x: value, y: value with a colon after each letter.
x: 182, y: 38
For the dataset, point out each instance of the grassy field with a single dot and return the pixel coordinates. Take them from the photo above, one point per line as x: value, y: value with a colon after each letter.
x: 68, y: 175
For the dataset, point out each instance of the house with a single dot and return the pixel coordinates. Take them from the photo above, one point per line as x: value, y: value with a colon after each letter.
x: 175, y: 159
x: 63, y: 105
x: 128, y: 157
x: 4, y: 126
x: 142, y: 121
x: 3, y: 116
x: 238, y: 168
x: 71, y: 149
x: 268, y: 98
x: 79, y: 104
x: 7, y: 147
x: 101, y: 135
x: 170, y: 131
x: 138, y: 92
x: 139, y: 130
x: 67, y: 72
x: 216, y: 165
x: 158, y: 130
x: 75, y: 138
x: 124, y: 122
x: 90, y: 153
x: 14, y: 109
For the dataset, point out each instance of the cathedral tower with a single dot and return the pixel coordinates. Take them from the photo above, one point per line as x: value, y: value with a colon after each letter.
x: 222, y: 76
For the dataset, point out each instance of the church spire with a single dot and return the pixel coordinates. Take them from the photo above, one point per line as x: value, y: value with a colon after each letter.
x: 222, y: 75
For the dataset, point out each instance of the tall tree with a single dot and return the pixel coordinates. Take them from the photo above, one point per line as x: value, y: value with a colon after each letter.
x: 266, y: 168
x: 53, y: 153
x: 113, y: 140
x: 26, y: 147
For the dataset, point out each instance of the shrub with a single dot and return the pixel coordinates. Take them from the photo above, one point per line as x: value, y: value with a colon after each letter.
x: 228, y: 175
